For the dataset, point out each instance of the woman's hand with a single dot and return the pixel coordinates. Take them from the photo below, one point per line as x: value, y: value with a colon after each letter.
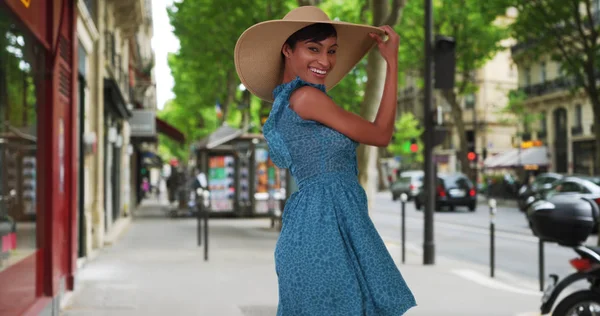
x: 389, y: 48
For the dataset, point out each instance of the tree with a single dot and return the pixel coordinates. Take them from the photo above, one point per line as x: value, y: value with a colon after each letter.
x: 477, y: 31
x: 203, y: 68
x: 567, y: 32
x: 516, y: 112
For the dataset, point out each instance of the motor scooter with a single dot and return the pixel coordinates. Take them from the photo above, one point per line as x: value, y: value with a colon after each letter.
x: 568, y: 221
x: 582, y: 302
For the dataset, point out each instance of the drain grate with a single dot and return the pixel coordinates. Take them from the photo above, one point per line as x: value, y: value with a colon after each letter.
x: 268, y: 310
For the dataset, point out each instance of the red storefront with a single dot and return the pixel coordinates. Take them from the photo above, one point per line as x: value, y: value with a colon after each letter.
x: 38, y: 174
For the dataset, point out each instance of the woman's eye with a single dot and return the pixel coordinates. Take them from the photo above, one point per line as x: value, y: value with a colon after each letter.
x: 314, y: 49
x: 332, y: 52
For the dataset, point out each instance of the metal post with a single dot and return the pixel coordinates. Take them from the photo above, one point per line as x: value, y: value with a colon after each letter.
x: 429, y: 245
x: 541, y: 263
x: 403, y: 198
x: 492, y: 204
x: 199, y: 218
x: 206, y: 210
x: 206, y: 234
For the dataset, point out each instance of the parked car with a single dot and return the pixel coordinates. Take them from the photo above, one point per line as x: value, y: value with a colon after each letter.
x: 585, y: 186
x: 543, y: 181
x: 409, y: 183
x: 571, y: 187
x: 452, y: 190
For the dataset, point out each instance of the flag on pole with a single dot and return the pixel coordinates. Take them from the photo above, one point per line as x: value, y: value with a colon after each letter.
x: 218, y: 110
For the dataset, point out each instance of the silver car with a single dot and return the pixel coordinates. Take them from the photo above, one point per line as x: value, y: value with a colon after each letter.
x: 409, y: 182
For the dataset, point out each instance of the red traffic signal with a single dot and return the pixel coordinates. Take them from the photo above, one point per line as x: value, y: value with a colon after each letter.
x: 414, y: 148
x: 471, y: 156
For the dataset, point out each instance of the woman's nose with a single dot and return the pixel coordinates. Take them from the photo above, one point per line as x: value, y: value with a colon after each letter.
x: 324, y: 60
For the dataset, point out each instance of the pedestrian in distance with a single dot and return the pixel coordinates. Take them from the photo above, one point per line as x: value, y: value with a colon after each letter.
x: 329, y: 258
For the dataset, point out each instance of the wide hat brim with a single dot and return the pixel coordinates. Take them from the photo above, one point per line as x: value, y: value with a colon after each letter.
x: 257, y: 53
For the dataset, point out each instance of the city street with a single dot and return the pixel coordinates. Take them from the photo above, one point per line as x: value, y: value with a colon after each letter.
x: 158, y: 269
x: 464, y: 235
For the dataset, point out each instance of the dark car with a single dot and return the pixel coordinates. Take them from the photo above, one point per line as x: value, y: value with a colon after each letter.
x: 452, y: 190
x: 544, y: 181
x: 409, y: 183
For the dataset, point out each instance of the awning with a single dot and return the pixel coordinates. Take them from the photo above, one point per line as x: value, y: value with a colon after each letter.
x: 170, y: 131
x: 222, y: 135
x: 143, y: 126
x: 517, y: 158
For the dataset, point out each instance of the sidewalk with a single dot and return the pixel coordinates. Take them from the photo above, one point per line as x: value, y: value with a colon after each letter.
x: 157, y: 269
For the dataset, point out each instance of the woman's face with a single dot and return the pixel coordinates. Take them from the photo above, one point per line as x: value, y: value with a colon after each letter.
x: 310, y: 60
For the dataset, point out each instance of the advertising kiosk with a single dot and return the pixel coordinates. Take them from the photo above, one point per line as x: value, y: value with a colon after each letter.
x: 242, y: 179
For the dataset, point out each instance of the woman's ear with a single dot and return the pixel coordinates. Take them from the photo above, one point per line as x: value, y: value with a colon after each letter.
x: 286, y: 50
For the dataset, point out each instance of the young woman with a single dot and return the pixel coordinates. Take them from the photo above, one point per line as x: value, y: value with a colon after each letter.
x: 329, y: 258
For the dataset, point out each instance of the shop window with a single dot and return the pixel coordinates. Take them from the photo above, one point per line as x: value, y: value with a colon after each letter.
x: 21, y: 90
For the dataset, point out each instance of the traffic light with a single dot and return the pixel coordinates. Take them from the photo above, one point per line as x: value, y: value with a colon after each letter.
x: 414, y: 147
x: 444, y: 62
x: 472, y: 156
x: 143, y: 171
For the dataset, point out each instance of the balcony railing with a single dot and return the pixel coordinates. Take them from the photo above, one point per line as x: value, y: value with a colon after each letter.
x: 558, y: 84
x: 576, y: 130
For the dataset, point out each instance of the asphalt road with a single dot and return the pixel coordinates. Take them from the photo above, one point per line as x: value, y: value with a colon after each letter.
x: 464, y: 235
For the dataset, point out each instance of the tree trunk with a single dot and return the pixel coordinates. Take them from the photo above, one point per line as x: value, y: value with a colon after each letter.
x: 232, y: 85
x: 457, y: 115
x: 367, y: 155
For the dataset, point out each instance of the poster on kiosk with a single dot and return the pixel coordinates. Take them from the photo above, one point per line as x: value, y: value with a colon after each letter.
x: 221, y: 183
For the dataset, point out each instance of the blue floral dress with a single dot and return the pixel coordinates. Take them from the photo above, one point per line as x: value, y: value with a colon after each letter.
x: 329, y: 258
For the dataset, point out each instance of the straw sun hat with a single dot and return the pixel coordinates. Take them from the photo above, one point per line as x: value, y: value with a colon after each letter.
x: 257, y: 53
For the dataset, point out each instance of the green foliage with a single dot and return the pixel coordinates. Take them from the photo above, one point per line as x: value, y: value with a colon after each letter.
x: 204, y: 71
x: 474, y: 26
x: 517, y: 113
x: 564, y: 30
x: 407, y: 128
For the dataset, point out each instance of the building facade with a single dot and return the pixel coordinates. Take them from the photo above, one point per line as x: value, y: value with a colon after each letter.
x: 38, y: 154
x: 566, y: 121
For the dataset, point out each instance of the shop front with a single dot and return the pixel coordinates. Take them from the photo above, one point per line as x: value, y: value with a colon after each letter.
x: 38, y: 174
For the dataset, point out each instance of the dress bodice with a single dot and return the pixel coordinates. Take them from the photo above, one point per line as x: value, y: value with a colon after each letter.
x: 306, y: 147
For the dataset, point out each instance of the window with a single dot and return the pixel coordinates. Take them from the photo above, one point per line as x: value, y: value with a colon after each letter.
x: 578, y: 116
x: 568, y: 187
x: 21, y: 88
x: 527, y: 77
x: 543, y: 72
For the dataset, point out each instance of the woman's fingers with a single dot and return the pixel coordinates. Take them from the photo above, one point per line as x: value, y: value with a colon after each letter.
x: 377, y: 38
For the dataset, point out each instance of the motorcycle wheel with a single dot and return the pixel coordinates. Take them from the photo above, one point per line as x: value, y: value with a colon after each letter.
x: 582, y: 303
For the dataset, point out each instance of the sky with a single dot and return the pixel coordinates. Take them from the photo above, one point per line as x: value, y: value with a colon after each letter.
x: 163, y: 43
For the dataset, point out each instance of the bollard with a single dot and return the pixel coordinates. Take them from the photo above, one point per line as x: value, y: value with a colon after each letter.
x: 206, y: 209
x: 403, y: 199
x: 199, y: 209
x: 492, y: 204
x: 541, y: 263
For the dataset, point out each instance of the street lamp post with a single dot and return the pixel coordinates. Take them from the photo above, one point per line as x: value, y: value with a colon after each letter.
x: 428, y: 244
